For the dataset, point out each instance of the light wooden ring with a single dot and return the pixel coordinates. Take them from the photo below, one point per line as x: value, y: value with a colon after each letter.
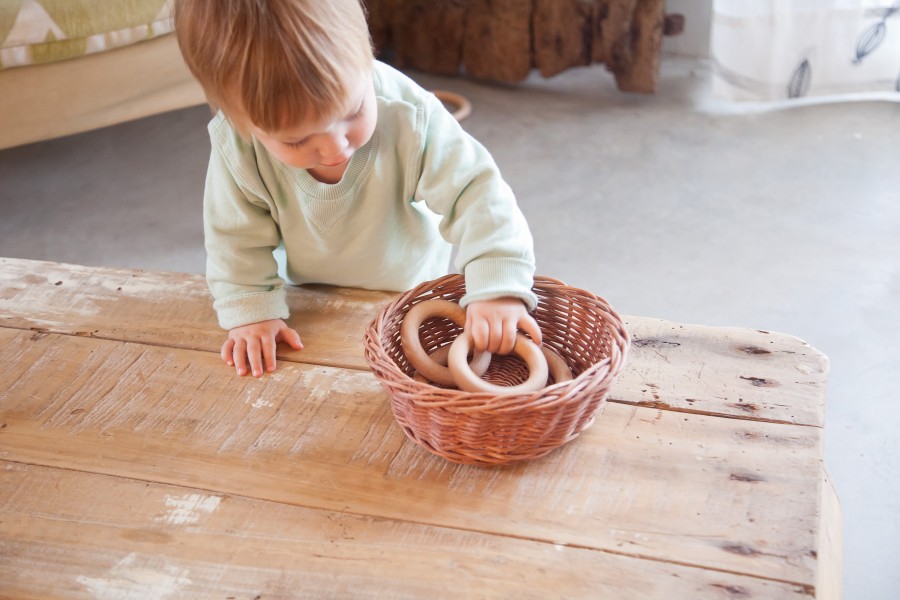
x: 462, y: 104
x: 558, y: 368
x: 442, y: 356
x: 524, y: 349
x: 412, y: 346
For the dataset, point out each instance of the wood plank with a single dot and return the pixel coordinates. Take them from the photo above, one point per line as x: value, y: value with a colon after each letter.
x: 173, y: 309
x: 733, y: 372
x: 497, y: 41
x: 562, y: 34
x: 676, y: 487
x: 729, y: 371
x: 828, y: 584
x: 187, y: 542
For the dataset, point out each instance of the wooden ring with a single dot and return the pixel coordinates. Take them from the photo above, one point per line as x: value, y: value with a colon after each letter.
x: 558, y: 368
x: 412, y: 346
x: 524, y: 349
x: 462, y: 106
x: 442, y: 356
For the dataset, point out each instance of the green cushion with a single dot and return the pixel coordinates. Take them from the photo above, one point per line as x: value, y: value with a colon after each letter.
x: 41, y: 31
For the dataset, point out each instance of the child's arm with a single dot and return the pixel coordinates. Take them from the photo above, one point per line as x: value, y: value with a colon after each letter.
x: 240, y: 235
x: 493, y: 324
x: 459, y: 180
x: 256, y: 343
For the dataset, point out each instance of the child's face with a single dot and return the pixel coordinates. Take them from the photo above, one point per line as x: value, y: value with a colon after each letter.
x: 326, y: 143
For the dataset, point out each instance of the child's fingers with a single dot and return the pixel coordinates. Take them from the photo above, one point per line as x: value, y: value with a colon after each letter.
x: 530, y: 326
x: 495, y: 337
x: 507, y: 337
x: 239, y: 356
x: 268, y: 352
x: 291, y: 338
x: 480, y: 332
x: 254, y: 354
x: 227, y: 350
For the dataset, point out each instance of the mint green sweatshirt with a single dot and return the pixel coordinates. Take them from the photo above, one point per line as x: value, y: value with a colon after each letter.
x: 420, y: 185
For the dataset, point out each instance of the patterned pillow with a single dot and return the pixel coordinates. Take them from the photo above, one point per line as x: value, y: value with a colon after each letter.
x: 42, y: 31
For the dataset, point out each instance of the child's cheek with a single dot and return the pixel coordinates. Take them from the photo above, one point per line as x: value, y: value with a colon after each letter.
x: 365, y: 133
x: 296, y: 157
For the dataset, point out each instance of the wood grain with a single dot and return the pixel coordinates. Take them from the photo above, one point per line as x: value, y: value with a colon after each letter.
x: 733, y: 372
x: 642, y: 482
x: 562, y: 35
x: 728, y: 371
x: 830, y: 555
x: 612, y: 24
x: 497, y: 40
x: 189, y: 542
x: 380, y: 16
x: 502, y: 40
x: 173, y: 309
x: 635, y: 57
x: 428, y: 35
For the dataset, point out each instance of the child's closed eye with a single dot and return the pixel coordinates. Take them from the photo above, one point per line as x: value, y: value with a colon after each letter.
x: 297, y: 144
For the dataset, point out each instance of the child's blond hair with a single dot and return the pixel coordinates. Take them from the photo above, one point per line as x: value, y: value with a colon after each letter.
x: 275, y: 62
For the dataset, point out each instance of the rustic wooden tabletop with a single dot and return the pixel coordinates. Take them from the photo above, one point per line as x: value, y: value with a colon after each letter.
x: 135, y: 464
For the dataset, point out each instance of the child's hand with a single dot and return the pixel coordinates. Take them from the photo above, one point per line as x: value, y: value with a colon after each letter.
x: 493, y: 324
x: 256, y: 342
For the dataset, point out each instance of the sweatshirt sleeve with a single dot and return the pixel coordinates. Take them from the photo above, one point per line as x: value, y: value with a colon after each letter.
x: 240, y: 236
x: 459, y: 180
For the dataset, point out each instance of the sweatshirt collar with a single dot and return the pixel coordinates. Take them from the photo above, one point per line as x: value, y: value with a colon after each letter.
x: 359, y: 164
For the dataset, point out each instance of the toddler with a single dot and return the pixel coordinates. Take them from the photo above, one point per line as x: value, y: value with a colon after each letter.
x: 328, y: 166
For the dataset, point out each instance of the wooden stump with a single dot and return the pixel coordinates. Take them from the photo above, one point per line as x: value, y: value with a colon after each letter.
x: 502, y: 40
x: 378, y: 13
x: 497, y: 43
x: 634, y: 58
x: 611, y: 27
x: 562, y: 35
x: 428, y: 35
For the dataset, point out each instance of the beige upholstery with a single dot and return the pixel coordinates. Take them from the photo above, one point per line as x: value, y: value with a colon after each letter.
x: 40, y: 102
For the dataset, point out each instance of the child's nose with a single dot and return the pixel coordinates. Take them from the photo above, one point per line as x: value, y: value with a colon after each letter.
x: 334, y: 144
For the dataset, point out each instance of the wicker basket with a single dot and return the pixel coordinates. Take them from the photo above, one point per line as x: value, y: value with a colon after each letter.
x: 484, y: 428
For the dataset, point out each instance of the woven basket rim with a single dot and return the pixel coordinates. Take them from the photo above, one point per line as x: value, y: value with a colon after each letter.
x: 462, y: 402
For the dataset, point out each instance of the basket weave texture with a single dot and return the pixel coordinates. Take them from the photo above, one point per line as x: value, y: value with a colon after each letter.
x: 488, y: 429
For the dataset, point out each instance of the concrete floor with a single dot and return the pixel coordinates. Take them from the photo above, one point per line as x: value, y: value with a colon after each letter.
x: 673, y: 206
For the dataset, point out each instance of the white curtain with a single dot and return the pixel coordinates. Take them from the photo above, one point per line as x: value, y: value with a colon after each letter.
x: 779, y: 49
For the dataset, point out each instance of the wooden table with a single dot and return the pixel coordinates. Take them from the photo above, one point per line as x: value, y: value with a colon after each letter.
x: 135, y: 464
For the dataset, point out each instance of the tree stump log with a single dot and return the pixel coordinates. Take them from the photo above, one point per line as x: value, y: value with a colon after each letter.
x: 497, y: 43
x: 612, y: 26
x: 378, y: 13
x: 562, y: 35
x: 428, y: 35
x: 503, y: 40
x: 634, y: 54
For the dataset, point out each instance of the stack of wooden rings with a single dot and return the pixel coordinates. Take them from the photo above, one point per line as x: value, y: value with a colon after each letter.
x: 450, y: 365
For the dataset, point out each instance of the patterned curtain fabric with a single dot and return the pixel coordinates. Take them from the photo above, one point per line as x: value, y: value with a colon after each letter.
x: 41, y: 31
x: 781, y: 49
